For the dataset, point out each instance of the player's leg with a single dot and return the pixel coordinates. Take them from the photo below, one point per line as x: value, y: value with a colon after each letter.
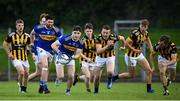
x: 26, y: 74
x: 171, y: 74
x: 142, y: 61
x: 37, y: 73
x: 59, y: 74
x: 131, y: 63
x: 98, y: 72
x: 71, y: 71
x: 110, y: 64
x: 44, y: 60
x: 162, y: 70
x: 86, y: 72
x: 20, y: 70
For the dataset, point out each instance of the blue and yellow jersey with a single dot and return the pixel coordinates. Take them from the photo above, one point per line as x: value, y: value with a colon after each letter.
x: 46, y: 36
x: 69, y: 46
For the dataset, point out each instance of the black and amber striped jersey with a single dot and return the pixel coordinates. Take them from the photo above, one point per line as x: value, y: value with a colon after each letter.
x: 110, y: 52
x: 89, y: 49
x: 166, y: 52
x: 18, y: 45
x: 136, y: 41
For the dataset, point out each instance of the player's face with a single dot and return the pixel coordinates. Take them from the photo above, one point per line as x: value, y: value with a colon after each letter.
x: 143, y: 28
x: 43, y: 21
x: 76, y: 35
x: 20, y: 27
x: 88, y: 32
x: 105, y: 33
x: 49, y: 23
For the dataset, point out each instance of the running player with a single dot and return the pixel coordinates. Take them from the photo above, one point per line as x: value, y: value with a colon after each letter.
x: 105, y: 55
x: 47, y: 35
x: 72, y: 45
x: 167, y: 60
x: 19, y: 43
x: 34, y: 36
x: 87, y: 57
x: 134, y: 54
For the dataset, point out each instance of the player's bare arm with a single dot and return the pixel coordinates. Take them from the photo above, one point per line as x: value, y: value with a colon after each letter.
x: 128, y: 42
x: 77, y: 54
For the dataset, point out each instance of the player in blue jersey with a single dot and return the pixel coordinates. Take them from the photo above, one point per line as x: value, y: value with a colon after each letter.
x: 70, y: 44
x: 34, y: 36
x: 46, y: 36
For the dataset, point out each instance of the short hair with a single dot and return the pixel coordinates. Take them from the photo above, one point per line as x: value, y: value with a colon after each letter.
x: 165, y: 39
x: 43, y: 15
x: 77, y: 28
x: 48, y: 17
x: 88, y: 26
x: 19, y: 21
x: 107, y: 27
x: 144, y: 22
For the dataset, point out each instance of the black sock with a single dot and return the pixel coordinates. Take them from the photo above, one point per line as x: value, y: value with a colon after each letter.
x: 115, y: 77
x: 148, y: 87
x: 96, y: 89
x: 165, y: 88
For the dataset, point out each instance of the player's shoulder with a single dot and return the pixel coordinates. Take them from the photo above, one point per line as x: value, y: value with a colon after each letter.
x: 172, y: 44
x: 135, y: 32
x: 27, y: 34
x: 56, y: 28
x: 38, y: 26
x: 11, y: 34
x: 67, y: 37
x: 81, y: 41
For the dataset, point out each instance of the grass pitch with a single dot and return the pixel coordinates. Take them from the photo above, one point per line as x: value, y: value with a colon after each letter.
x: 119, y: 91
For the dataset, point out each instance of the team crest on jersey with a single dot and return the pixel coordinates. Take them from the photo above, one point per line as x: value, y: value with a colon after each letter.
x: 137, y: 33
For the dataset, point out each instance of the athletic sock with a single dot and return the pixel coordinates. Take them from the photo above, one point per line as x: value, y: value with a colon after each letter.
x: 148, y: 87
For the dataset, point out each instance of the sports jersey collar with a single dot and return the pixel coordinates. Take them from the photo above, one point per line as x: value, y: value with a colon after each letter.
x: 86, y: 37
x: 20, y: 34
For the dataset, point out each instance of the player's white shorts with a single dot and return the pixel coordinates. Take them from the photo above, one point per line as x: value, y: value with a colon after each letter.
x: 72, y: 62
x: 42, y: 53
x: 101, y: 62
x: 24, y: 64
x: 132, y: 61
x: 162, y: 59
x: 87, y: 65
x: 36, y: 61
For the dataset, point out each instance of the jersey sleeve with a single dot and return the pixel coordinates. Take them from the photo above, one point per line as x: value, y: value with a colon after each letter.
x: 97, y: 40
x: 37, y: 28
x: 155, y: 47
x: 174, y: 49
x: 58, y: 31
x: 8, y: 39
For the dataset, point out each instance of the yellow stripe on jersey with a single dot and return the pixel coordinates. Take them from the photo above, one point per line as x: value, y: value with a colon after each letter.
x: 136, y: 40
x: 89, y: 49
x: 18, y: 44
x: 48, y: 37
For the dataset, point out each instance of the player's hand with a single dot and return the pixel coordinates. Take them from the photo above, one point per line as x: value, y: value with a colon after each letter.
x: 122, y: 48
x: 137, y: 51
x: 110, y: 43
x: 163, y: 64
x: 33, y: 56
x: 11, y: 56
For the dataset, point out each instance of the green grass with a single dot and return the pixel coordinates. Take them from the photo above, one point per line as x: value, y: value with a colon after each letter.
x: 120, y: 91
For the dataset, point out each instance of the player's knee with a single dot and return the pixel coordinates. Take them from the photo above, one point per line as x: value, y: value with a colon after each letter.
x: 110, y: 73
x: 162, y: 74
x: 21, y: 73
x: 70, y: 77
